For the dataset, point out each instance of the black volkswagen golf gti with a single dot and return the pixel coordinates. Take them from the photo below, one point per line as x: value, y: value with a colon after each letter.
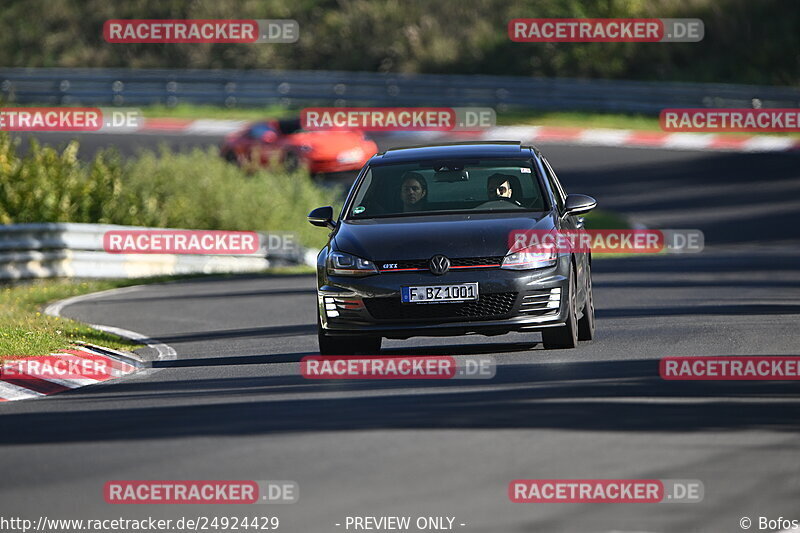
x: 423, y: 247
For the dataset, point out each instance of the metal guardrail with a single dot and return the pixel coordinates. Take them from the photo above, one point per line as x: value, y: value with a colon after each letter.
x: 129, y: 87
x: 76, y: 250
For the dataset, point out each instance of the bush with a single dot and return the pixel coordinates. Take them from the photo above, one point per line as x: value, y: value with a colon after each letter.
x: 194, y: 190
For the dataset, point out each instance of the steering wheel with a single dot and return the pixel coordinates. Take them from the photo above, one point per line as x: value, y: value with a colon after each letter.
x: 499, y: 203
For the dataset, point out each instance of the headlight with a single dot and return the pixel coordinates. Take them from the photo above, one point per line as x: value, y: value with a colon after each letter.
x: 342, y: 264
x: 351, y: 156
x: 530, y: 258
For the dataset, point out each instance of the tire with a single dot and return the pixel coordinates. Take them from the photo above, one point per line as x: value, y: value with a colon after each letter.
x: 291, y: 162
x: 347, y: 345
x: 566, y: 336
x: 231, y: 157
x: 586, y: 324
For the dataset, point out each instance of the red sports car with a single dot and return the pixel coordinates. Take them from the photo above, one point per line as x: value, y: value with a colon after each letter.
x: 285, y: 142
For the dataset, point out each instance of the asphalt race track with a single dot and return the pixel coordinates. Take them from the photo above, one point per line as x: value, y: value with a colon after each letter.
x: 232, y: 405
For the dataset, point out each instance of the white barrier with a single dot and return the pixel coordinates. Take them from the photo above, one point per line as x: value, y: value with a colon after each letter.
x: 46, y: 250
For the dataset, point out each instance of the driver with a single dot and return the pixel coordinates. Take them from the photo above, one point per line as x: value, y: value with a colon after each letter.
x: 498, y: 187
x: 414, y: 192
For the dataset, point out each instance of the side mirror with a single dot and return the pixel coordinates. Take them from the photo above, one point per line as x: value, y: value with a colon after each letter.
x: 577, y: 204
x: 322, y: 217
x: 269, y: 137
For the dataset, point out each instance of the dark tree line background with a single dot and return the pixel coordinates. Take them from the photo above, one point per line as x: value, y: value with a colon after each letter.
x: 746, y: 41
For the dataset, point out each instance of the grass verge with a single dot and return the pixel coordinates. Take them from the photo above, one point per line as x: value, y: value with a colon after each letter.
x: 26, y: 330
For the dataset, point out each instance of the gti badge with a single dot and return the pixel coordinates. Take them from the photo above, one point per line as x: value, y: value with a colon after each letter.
x: 439, y: 264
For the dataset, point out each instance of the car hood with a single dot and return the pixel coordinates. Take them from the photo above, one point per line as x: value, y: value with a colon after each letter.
x: 421, y: 237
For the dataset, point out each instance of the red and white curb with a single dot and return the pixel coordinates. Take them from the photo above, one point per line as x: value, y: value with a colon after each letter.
x: 22, y: 384
x: 189, y: 126
x: 526, y: 134
x: 121, y: 364
x: 632, y: 138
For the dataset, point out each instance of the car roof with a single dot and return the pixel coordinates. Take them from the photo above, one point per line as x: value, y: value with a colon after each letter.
x: 456, y: 150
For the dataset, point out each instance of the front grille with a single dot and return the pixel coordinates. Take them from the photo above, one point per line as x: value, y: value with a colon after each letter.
x: 486, y: 307
x: 476, y: 261
x: 462, y: 262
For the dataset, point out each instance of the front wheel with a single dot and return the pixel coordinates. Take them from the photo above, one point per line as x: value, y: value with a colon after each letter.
x: 291, y: 162
x: 566, y: 336
x: 231, y: 157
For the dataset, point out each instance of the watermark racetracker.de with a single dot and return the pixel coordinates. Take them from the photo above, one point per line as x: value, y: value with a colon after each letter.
x: 612, y: 241
x: 730, y: 120
x: 152, y: 31
x: 606, y: 30
x: 398, y: 118
x: 397, y: 367
x: 606, y: 491
x: 78, y: 119
x: 203, y: 492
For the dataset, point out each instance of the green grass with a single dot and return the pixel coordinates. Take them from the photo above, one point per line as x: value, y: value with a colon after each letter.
x: 26, y: 330
x: 578, y: 119
x: 191, y: 111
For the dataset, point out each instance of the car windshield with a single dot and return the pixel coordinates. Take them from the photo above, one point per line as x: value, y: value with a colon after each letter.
x: 290, y: 126
x: 258, y: 129
x: 440, y: 187
x: 285, y: 127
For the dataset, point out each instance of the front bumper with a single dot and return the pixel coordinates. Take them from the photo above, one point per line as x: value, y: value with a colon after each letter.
x: 508, y: 301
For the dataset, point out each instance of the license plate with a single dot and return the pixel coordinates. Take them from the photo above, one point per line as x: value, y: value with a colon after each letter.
x: 460, y: 292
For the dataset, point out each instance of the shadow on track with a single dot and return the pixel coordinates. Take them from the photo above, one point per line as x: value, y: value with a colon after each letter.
x: 214, y: 295
x: 602, y: 396
x: 269, y: 331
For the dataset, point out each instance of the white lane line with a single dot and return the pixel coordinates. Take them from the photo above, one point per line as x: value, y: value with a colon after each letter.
x: 165, y: 352
x: 104, y: 350
x: 122, y: 362
x: 54, y: 309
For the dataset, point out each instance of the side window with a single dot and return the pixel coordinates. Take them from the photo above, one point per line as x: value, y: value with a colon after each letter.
x: 558, y: 191
x: 359, y: 201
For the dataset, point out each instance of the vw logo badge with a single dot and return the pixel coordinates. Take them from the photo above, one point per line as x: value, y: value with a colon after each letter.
x: 439, y: 264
